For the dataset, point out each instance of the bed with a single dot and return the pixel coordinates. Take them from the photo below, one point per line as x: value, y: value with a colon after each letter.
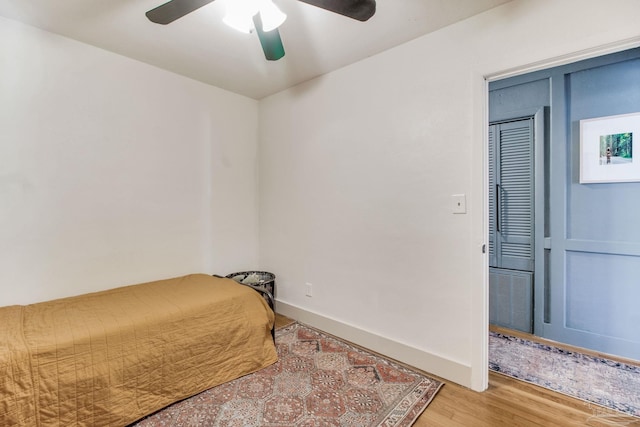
x: 110, y: 358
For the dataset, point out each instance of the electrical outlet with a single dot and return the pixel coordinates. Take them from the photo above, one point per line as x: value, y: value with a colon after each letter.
x: 309, y: 290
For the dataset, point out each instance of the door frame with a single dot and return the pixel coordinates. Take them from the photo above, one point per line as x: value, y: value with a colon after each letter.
x: 479, y: 172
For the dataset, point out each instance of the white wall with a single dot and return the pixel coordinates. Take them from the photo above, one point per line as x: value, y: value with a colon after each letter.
x: 114, y: 172
x: 357, y: 169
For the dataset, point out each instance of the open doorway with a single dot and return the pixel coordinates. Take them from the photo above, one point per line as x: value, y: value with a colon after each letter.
x: 565, y: 255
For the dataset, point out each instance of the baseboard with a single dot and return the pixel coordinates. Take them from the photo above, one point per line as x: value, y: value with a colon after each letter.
x: 430, y: 363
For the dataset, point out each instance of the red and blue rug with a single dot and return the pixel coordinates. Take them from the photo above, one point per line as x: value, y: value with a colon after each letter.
x: 318, y: 381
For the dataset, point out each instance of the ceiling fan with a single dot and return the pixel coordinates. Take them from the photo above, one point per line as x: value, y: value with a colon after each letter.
x: 261, y: 15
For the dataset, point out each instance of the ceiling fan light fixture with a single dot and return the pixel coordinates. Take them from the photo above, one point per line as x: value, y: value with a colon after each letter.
x: 263, y: 16
x: 239, y: 22
x: 240, y: 14
x: 272, y: 17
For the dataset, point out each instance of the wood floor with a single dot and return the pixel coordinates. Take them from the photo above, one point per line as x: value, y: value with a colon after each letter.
x: 510, y: 403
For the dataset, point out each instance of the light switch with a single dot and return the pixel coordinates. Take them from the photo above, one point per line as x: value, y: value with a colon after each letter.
x: 459, y: 204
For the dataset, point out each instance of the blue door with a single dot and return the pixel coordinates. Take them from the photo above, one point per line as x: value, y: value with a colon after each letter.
x: 511, y: 223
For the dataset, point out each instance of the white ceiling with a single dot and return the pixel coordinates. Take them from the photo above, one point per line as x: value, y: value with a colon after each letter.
x: 200, y: 46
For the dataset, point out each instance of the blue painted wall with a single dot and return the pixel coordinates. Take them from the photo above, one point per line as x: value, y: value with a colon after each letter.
x: 603, y: 212
x: 603, y: 227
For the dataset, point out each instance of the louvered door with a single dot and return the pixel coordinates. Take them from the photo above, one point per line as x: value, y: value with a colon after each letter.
x: 511, y: 195
x: 493, y: 251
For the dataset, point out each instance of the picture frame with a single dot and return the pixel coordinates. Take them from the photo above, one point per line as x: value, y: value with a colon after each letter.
x: 607, y: 149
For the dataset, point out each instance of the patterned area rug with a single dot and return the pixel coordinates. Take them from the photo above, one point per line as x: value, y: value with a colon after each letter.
x: 318, y: 381
x: 601, y: 381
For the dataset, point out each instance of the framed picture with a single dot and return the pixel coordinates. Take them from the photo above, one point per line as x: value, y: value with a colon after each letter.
x: 607, y: 152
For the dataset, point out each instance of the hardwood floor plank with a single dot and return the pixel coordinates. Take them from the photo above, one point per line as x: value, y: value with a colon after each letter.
x: 510, y: 403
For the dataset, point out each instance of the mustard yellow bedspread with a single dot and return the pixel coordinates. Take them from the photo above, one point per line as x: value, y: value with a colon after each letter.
x: 112, y: 357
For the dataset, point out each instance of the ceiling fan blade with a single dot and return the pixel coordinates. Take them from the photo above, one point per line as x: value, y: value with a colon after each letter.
x: 270, y: 40
x: 169, y: 12
x: 356, y: 9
